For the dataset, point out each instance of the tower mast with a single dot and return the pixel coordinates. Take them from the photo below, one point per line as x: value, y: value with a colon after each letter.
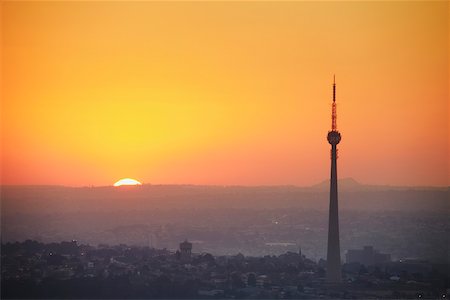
x: 333, y: 107
x: 333, y: 251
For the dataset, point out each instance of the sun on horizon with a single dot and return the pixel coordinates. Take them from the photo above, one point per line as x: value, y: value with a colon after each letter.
x: 127, y: 181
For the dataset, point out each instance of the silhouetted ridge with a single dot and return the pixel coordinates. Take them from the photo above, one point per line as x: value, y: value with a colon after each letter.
x: 344, y: 183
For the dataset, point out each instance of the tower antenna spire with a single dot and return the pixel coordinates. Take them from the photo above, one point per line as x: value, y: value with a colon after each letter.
x: 334, y: 88
x: 333, y: 111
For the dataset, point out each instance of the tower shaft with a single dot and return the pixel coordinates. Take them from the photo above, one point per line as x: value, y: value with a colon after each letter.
x: 333, y: 250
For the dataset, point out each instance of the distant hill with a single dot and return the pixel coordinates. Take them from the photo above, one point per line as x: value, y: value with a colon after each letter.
x: 345, y: 183
x: 351, y: 184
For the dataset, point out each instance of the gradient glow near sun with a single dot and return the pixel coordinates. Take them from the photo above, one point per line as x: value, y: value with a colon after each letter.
x: 127, y: 181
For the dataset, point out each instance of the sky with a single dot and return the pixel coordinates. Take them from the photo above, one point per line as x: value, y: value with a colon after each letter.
x: 223, y: 93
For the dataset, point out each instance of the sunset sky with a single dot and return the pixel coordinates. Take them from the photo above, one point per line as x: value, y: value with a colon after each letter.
x: 223, y: 92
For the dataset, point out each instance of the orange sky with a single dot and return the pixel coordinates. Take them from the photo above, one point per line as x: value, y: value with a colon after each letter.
x: 223, y: 93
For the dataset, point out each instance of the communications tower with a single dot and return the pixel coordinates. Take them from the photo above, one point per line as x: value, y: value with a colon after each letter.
x: 333, y: 251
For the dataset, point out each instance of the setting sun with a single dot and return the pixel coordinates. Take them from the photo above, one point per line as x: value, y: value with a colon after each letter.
x: 127, y: 181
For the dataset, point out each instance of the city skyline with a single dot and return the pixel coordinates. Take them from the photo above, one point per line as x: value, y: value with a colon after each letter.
x: 222, y: 93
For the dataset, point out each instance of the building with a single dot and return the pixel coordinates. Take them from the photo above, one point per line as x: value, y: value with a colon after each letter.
x: 333, y: 251
x: 185, y: 251
x: 366, y: 256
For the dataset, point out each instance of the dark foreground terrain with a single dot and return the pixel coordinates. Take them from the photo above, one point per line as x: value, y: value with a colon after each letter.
x: 68, y: 270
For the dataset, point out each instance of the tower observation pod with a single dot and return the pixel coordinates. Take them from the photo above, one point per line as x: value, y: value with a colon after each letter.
x: 333, y: 251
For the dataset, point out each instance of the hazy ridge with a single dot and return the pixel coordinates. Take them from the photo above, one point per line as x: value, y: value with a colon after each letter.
x: 353, y: 196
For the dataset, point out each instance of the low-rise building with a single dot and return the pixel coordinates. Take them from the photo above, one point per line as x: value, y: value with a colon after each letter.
x: 367, y: 256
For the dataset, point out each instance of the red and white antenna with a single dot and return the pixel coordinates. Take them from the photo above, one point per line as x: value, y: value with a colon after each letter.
x: 333, y: 109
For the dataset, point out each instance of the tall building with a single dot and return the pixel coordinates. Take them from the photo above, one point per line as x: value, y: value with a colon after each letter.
x: 185, y: 251
x: 333, y: 251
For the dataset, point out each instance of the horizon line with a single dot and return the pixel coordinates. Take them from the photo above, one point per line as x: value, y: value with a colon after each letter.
x: 318, y: 184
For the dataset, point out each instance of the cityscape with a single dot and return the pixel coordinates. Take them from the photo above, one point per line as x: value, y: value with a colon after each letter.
x: 67, y: 269
x: 224, y: 150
